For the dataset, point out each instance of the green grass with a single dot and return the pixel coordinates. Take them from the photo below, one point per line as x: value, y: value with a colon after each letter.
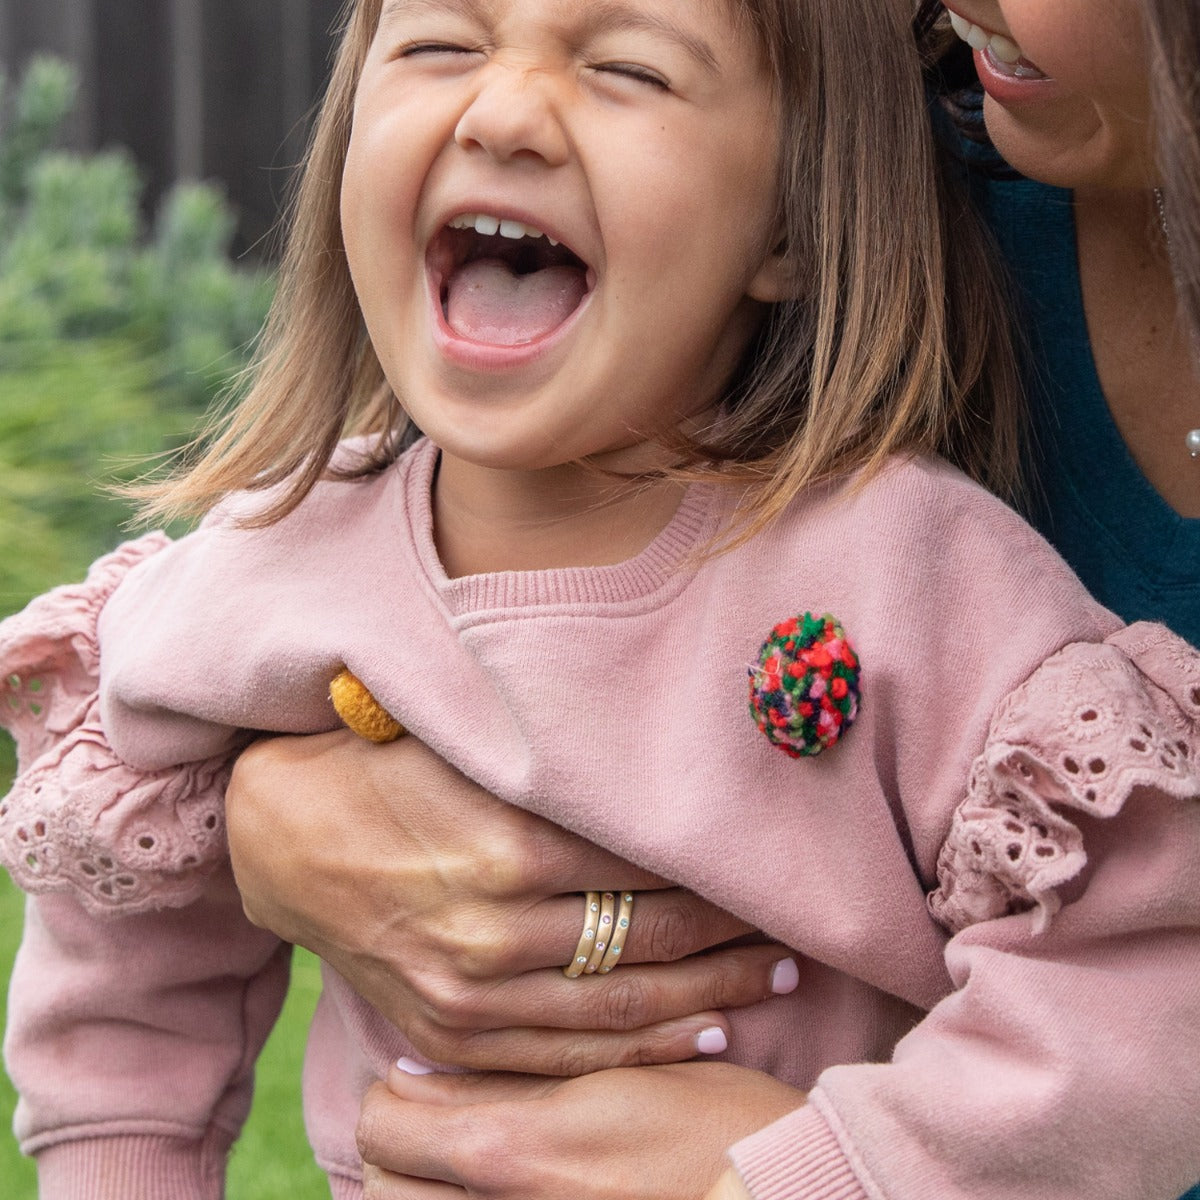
x: 272, y: 1160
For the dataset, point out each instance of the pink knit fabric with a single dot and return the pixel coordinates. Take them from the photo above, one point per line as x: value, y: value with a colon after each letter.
x: 1018, y: 758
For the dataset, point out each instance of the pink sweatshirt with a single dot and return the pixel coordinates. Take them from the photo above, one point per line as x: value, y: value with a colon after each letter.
x: 993, y: 878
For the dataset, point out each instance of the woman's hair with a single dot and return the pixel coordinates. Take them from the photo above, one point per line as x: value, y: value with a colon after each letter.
x: 1173, y: 30
x: 893, y: 343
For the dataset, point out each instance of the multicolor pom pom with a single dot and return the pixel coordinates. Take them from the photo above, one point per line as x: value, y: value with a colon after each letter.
x: 804, y: 688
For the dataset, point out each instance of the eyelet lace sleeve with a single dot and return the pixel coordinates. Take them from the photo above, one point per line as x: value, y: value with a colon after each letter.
x: 1093, y: 723
x: 78, y: 818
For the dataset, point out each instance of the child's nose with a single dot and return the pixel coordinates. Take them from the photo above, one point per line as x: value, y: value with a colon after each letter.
x: 513, y: 115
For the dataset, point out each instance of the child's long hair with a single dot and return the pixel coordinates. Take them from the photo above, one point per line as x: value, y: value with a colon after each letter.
x: 895, y: 342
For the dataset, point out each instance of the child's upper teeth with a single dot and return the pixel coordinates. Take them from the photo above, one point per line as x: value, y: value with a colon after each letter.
x: 489, y: 226
x: 978, y: 38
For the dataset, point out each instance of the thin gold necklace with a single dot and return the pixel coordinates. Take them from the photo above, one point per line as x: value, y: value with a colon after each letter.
x: 1192, y: 441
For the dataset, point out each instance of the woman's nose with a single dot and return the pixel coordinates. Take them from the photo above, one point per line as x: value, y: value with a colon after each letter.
x: 512, y: 116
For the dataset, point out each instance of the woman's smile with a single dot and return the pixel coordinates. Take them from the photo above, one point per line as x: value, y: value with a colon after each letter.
x: 1066, y: 87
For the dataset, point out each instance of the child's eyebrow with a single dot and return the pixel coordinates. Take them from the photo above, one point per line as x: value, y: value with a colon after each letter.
x: 605, y: 16
x: 397, y: 8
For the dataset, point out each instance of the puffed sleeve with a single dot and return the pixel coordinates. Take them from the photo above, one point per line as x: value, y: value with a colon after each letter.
x: 78, y: 819
x: 141, y: 995
x: 1066, y: 1061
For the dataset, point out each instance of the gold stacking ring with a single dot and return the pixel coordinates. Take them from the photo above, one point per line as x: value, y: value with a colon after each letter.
x: 608, y: 911
x: 616, y: 943
x: 605, y: 928
x: 587, y: 940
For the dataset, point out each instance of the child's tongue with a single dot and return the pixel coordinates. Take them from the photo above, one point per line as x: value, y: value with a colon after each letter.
x: 487, y: 302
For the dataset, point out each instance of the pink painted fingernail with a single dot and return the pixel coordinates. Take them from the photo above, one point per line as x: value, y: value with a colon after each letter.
x: 711, y: 1041
x: 785, y: 977
x: 410, y: 1066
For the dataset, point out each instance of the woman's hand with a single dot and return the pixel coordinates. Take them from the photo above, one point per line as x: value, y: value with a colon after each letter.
x: 650, y: 1133
x: 729, y: 1187
x: 453, y: 913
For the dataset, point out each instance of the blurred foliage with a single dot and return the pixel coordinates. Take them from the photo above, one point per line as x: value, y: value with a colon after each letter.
x: 116, y: 332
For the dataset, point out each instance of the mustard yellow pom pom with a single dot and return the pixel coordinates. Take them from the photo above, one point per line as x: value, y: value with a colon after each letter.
x: 361, y: 711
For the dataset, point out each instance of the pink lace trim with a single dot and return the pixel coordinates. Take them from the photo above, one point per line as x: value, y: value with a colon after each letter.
x: 1089, y: 726
x: 78, y: 818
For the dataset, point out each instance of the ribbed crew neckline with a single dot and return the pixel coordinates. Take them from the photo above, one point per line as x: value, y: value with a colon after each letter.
x: 657, y: 572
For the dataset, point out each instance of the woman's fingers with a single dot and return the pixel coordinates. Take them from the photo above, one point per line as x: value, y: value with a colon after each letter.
x: 453, y: 913
x: 630, y: 997
x: 729, y: 1187
x: 600, y: 1137
x: 559, y: 1052
x: 667, y: 924
x: 399, y: 1130
x: 379, y: 1184
x: 546, y: 1023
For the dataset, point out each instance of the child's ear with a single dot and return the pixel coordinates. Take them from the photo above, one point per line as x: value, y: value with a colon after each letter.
x: 775, y: 279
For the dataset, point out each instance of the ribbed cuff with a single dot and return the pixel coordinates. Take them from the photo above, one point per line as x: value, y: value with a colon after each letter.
x: 120, y: 1168
x: 796, y: 1158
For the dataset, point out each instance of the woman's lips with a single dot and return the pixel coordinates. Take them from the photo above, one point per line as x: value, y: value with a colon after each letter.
x: 1006, y: 74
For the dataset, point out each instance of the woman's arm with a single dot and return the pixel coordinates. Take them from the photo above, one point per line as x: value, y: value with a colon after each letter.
x: 453, y: 913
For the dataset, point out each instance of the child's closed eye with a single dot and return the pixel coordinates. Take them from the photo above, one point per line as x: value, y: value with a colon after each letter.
x: 417, y: 49
x: 636, y: 74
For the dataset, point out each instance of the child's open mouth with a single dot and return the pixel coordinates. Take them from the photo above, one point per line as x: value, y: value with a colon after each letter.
x: 504, y: 283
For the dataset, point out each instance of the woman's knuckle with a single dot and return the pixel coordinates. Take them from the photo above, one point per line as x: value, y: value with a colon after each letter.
x: 570, y: 1059
x: 626, y: 1002
x: 502, y: 872
x: 437, y: 1044
x: 446, y: 1000
x: 482, y: 1149
x: 366, y: 1131
x: 732, y: 979
x: 480, y: 955
x: 654, y: 1048
x: 669, y: 931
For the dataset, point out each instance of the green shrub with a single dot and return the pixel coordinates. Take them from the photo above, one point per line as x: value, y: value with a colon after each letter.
x: 114, y: 337
x: 43, y: 102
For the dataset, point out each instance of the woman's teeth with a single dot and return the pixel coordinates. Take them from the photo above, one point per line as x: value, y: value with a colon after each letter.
x: 489, y: 226
x: 978, y: 38
x: 1004, y: 54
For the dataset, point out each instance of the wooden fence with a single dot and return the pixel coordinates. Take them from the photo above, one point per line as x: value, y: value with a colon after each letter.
x: 196, y: 89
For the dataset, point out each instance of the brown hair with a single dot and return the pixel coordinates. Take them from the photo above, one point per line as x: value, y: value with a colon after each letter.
x: 896, y: 345
x: 1174, y: 38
